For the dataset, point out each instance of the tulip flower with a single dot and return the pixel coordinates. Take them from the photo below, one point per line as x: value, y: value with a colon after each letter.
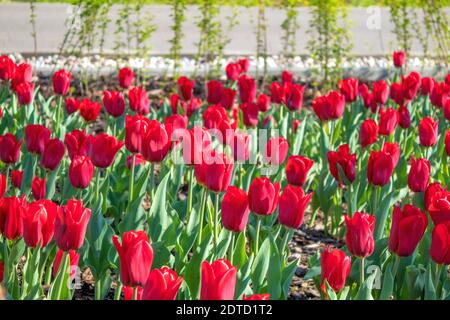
x: 136, y: 257
x: 437, y: 201
x: 399, y: 58
x: 297, y: 168
x: 440, y: 243
x: 250, y: 112
x: 380, y: 167
x: 81, y: 172
x: 128, y: 293
x: 195, y: 142
x: 71, y: 224
x: 103, y: 149
x: 277, y: 93
x: 245, y: 64
x: 368, y: 134
x: 53, y: 153
x: 407, y: 229
x: 157, y: 143
x: 214, y: 91
x: 439, y: 94
x: 162, y: 284
x: 247, y: 89
x: 404, y: 118
x: 388, y: 121
x: 233, y: 71
x: 89, y: 110
x: 38, y: 188
x: 136, y: 128
x: 447, y: 142
x: 3, y: 184
x: 23, y: 73
x: 335, y: 268
x: 235, y: 209
x: 39, y: 222
x: 380, y: 91
x: 410, y: 86
x: 359, y: 237
x: 185, y: 88
x: 215, y: 171
x: 74, y: 258
x: 139, y: 101
x: 346, y: 161
x: 9, y: 148
x: 287, y: 77
x: 76, y: 143
x: 228, y: 98
x: 11, y: 224
x: 7, y: 68
x: 428, y: 132
x: 397, y: 94
x: 72, y: 105
x: 138, y: 160
x: 61, y: 82
x: 430, y: 191
x: 218, y: 280
x: 393, y: 149
x: 263, y: 102
x: 419, y: 174
x: 36, y: 137
x: 126, y: 78
x: 263, y: 296
x: 365, y: 95
x: 292, y: 206
x: 16, y: 178
x: 294, y: 98
x: 276, y: 150
x: 349, y: 88
x: 25, y: 93
x: 263, y: 196
x: 330, y: 106
x: 239, y: 143
x: 114, y: 103
x: 214, y: 116
x: 175, y: 124
x: 427, y: 85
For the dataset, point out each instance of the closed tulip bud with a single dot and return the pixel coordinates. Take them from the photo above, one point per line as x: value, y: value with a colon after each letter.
x: 388, y: 121
x: 3, y: 184
x: 233, y: 71
x: 39, y: 222
x: 136, y: 128
x: 430, y: 191
x: 139, y: 101
x: 263, y: 102
x: 446, y: 109
x: 399, y: 58
x: 263, y: 196
x: 81, y: 172
x: 126, y: 78
x: 71, y: 224
x: 16, y: 178
x: 287, y: 77
x: 380, y: 168
x: 7, y: 68
x: 36, y: 137
x: 262, y: 296
x: 404, y: 118
x: 276, y: 150
x: 428, y: 132
x: 185, y: 88
x: 235, y: 209
x: 228, y: 98
x: 397, y: 94
x: 335, y: 268
x: 437, y: 201
x: 103, y: 149
x: 439, y: 94
x: 297, y: 168
x: 175, y: 125
x: 61, y: 82
x: 277, y: 93
x: 138, y: 160
x: 368, y: 134
x: 349, y: 88
x: 25, y: 92
x: 427, y: 86
x: 53, y: 153
x: 240, y: 146
x: 72, y: 105
x: 367, y: 97
x: 76, y: 143
x: 393, y: 149
x: 9, y: 148
x: 419, y: 174
x: 407, y: 229
x: 411, y: 85
x: 157, y: 143
x: 136, y: 257
x: 245, y: 64
x: 250, y: 112
x: 74, y: 258
x: 214, y: 116
x: 380, y: 91
x: 247, y: 89
x: 89, y: 110
x: 23, y: 73
x: 114, y: 103
x: 214, y: 92
x: 359, y: 237
x: 293, y: 203
x: 218, y: 281
x: 38, y: 188
x: 440, y: 243
x: 294, y: 97
x: 330, y: 106
x: 162, y: 284
x: 447, y: 142
x: 11, y: 223
x: 215, y: 171
x: 344, y: 160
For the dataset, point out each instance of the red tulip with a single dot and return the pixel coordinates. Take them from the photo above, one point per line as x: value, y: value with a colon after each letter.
x: 439, y: 94
x: 399, y: 58
x: 175, y: 124
x: 349, y: 88
x: 126, y: 78
x: 345, y: 160
x: 16, y: 178
x: 277, y: 93
x: 407, y: 229
x: 25, y: 92
x: 419, y: 174
x: 368, y: 134
x: 428, y: 132
x: 72, y: 105
x: 218, y: 280
x: 276, y: 150
x: 228, y: 98
x: 447, y: 142
x: 359, y: 236
x: 76, y: 143
x: 380, y: 91
x: 263, y: 196
x: 293, y: 203
x: 335, y: 268
x: 195, y: 142
x: 215, y: 172
x: 393, y: 149
x: 330, y: 106
x: 233, y: 71
x: 404, y: 118
x: 7, y: 68
x: 240, y: 146
x: 427, y: 86
x: 247, y: 89
x: 139, y: 102
x: 440, y: 243
x: 263, y: 296
x: 38, y: 188
x: 89, y: 110
x: 410, y: 85
x: 287, y: 77
x: 235, y: 209
x: 437, y: 201
x: 39, y: 222
x: 162, y: 284
x: 397, y: 94
x: 71, y: 224
x: 294, y: 97
x: 297, y: 168
x: 3, y: 184
x: 157, y: 143
x: 103, y: 149
x: 366, y: 96
x: 214, y: 116
x: 138, y: 160
x: 9, y: 148
x: 136, y: 257
x: 61, y: 82
x: 136, y: 128
x: 263, y: 102
x: 128, y: 293
x: 250, y: 112
x: 36, y: 137
x: 11, y: 224
x: 185, y: 88
x: 388, y: 121
x: 245, y: 64
x: 432, y: 188
x: 23, y: 73
x: 114, y: 103
x: 74, y: 258
x: 214, y: 92
x: 53, y: 153
x: 81, y: 172
x: 380, y: 167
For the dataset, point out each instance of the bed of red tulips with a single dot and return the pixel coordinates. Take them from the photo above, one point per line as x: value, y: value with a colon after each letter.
x: 198, y: 199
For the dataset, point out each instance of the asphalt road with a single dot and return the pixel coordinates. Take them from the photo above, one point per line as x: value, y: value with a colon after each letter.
x: 371, y: 29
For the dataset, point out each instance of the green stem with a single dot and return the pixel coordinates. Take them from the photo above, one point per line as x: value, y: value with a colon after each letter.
x: 152, y: 179
x: 361, y: 272
x: 98, y: 290
x: 118, y: 292
x: 284, y: 244
x: 135, y: 293
x: 190, y: 193
x: 231, y: 249
x: 258, y: 228
x: 131, y: 188
x: 97, y: 185
x: 216, y: 217
x: 201, y: 216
